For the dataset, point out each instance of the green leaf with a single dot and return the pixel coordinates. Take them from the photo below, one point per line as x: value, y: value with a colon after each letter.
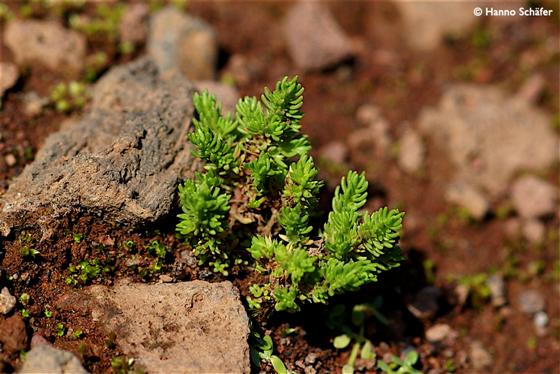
x: 278, y: 365
x: 341, y: 341
x: 367, y: 352
x: 348, y: 369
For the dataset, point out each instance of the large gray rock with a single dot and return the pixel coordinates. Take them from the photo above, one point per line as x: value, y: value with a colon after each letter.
x: 314, y: 39
x: 122, y: 160
x: 46, y: 42
x: 490, y: 136
x: 179, y: 41
x: 47, y: 359
x: 189, y: 327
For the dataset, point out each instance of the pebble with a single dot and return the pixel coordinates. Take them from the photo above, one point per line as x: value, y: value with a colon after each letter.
x: 469, y: 197
x: 10, y: 160
x: 531, y: 302
x: 426, y: 302
x: 33, y: 104
x: 440, y: 332
x: 411, y: 152
x: 8, y: 76
x: 498, y: 290
x: 533, y: 231
x: 134, y: 23
x: 533, y: 197
x: 7, y: 301
x: 336, y: 152
x: 479, y: 356
x: 540, y: 320
x: 368, y: 114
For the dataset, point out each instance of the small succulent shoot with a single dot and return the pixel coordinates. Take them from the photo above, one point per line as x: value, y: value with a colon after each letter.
x: 400, y: 366
x: 255, y: 197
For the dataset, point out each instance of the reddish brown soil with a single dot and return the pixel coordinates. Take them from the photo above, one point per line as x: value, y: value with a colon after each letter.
x: 401, y: 85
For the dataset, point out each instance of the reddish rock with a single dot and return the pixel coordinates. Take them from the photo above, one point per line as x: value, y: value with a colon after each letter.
x: 13, y: 336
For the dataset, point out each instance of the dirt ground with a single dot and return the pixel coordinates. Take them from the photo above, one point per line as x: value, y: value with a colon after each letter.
x: 441, y: 245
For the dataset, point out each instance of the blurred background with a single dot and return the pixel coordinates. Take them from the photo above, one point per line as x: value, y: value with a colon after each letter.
x: 454, y: 118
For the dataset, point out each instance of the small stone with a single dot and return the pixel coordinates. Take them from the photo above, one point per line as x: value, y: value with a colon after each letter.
x: 533, y: 197
x: 440, y: 332
x: 311, y: 358
x: 480, y: 358
x: 533, y: 230
x: 540, y: 320
x: 33, y: 104
x: 241, y: 69
x: 376, y: 135
x: 532, y: 89
x: 462, y: 293
x: 13, y: 337
x: 497, y: 289
x: 47, y: 359
x: 368, y: 114
x: 512, y: 228
x: 314, y: 39
x: 336, y: 152
x: 10, y: 160
x: 225, y: 94
x: 46, y: 42
x: 426, y: 303
x: 531, y: 302
x: 7, y: 301
x: 411, y: 152
x: 134, y: 23
x: 179, y: 41
x: 8, y: 76
x: 468, y: 197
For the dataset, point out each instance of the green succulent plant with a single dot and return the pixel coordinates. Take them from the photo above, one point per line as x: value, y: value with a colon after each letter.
x: 254, y: 200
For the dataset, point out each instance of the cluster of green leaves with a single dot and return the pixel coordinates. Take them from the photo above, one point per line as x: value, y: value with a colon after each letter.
x: 86, y: 271
x: 253, y: 202
x: 400, y: 366
x: 68, y: 97
x: 352, y: 324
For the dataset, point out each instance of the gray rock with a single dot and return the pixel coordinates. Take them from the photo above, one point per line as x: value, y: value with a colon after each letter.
x: 122, y: 160
x: 533, y: 197
x: 497, y: 288
x: 46, y: 42
x: 426, y: 302
x: 335, y: 151
x: 489, y: 135
x: 179, y: 41
x: 479, y: 356
x: 469, y: 198
x: 411, y: 152
x: 440, y: 332
x: 134, y: 23
x: 314, y: 39
x: 427, y: 23
x: 47, y: 359
x: 531, y: 302
x: 8, y: 76
x: 7, y: 301
x: 533, y: 231
x: 227, y: 95
x: 189, y: 327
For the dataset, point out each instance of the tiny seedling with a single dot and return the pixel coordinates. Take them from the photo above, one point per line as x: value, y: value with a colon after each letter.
x: 48, y: 313
x: 60, y: 329
x: 77, y: 237
x: 28, y: 252
x: 400, y: 366
x: 69, y: 97
x: 24, y: 298
x: 262, y: 348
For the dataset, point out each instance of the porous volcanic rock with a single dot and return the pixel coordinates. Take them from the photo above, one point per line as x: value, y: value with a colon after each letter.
x: 46, y: 42
x: 490, y: 136
x: 314, y: 38
x: 179, y: 41
x: 188, y: 327
x: 121, y: 160
x: 47, y: 359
